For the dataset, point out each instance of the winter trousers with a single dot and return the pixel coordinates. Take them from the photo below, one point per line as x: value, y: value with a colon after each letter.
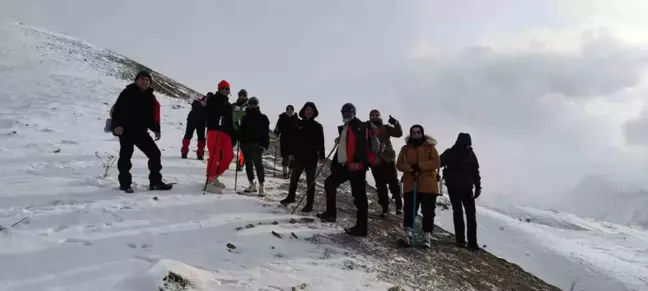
x: 339, y: 175
x: 463, y: 199
x: 221, y: 153
x: 385, y: 176
x: 145, y: 143
x: 253, y: 156
x: 427, y: 203
x: 286, y: 162
x: 298, y: 168
x: 199, y: 128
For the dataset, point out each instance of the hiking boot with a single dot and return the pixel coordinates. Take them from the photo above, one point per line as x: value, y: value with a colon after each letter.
x: 461, y: 244
x: 473, y: 247
x: 261, y: 190
x: 126, y: 189
x: 184, y: 156
x: 160, y: 186
x: 355, y: 231
x: 307, y: 208
x: 384, y: 213
x: 285, y: 175
x: 250, y: 189
x: 326, y: 217
x: 239, y: 168
x: 200, y: 158
x: 427, y: 239
x: 399, y: 211
x: 215, y: 186
x: 287, y: 201
x: 217, y: 183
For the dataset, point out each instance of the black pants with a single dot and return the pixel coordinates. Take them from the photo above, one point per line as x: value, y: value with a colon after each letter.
x: 339, y: 175
x: 198, y: 127
x: 286, y: 162
x: 299, y: 167
x: 459, y: 198
x: 427, y: 202
x: 145, y: 143
x: 385, y: 176
x: 253, y: 157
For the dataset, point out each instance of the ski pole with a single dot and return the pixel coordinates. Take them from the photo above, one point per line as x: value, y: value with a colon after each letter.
x: 238, y: 146
x: 312, y: 184
x: 414, y: 207
x: 274, y: 164
x: 212, y: 155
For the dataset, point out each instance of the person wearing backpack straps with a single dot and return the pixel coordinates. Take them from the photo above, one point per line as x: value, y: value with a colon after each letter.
x: 354, y: 156
x: 384, y: 172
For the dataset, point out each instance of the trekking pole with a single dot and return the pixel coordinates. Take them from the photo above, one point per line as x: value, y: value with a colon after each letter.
x: 274, y: 164
x: 212, y: 155
x: 238, y: 146
x: 312, y: 184
x: 414, y: 207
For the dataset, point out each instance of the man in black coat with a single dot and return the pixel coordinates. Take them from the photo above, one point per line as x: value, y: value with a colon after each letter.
x: 461, y: 173
x: 287, y: 128
x: 255, y: 139
x: 134, y: 113
x: 310, y: 136
x: 196, y: 122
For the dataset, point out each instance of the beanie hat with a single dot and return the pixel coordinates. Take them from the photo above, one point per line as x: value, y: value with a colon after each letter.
x: 223, y: 85
x: 419, y: 127
x: 348, y: 108
x: 290, y: 107
x: 143, y: 74
x: 253, y: 100
x: 374, y: 111
x: 242, y: 92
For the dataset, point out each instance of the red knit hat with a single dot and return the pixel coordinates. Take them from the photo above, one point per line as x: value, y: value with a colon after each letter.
x: 223, y: 85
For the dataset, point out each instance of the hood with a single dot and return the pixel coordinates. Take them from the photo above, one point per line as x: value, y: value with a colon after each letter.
x: 463, y: 139
x: 428, y: 140
x: 309, y: 104
x: 134, y: 87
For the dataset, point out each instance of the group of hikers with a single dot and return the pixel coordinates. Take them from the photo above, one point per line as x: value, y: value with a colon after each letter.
x: 360, y: 146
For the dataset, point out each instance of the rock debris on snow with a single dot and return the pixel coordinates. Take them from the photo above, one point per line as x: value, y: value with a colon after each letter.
x: 276, y: 234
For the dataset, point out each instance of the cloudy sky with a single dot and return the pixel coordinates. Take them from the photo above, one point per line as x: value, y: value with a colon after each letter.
x: 551, y: 91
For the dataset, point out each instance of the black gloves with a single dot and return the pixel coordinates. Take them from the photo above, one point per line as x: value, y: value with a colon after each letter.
x: 392, y: 120
x: 415, y: 168
x: 477, y: 192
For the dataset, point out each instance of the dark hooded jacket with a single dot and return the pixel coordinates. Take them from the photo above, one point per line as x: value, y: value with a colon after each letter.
x: 219, y: 115
x: 287, y: 128
x: 461, y: 165
x: 136, y: 111
x: 254, y: 128
x: 197, y: 113
x: 309, y: 138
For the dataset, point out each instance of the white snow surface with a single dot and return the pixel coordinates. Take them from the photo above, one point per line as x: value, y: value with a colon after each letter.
x: 81, y: 233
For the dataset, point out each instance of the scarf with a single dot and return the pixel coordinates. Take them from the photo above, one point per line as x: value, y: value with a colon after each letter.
x: 342, y: 146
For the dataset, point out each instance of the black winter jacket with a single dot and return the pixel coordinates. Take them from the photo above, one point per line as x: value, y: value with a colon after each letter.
x: 255, y: 128
x: 309, y: 138
x: 462, y: 166
x: 197, y: 113
x: 219, y: 115
x: 287, y: 128
x: 136, y: 111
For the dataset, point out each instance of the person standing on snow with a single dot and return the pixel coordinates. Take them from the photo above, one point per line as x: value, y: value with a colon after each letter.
x: 384, y: 171
x: 239, y: 108
x: 418, y: 159
x: 310, y: 135
x: 196, y: 122
x: 460, y: 174
x: 220, y: 136
x: 254, y: 138
x: 350, y: 163
x: 287, y: 128
x: 134, y: 113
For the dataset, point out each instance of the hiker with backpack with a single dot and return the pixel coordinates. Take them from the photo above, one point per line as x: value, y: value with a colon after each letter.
x: 461, y: 173
x: 355, y: 155
x: 254, y: 136
x: 310, y: 136
x: 418, y: 159
x: 384, y: 172
x: 286, y: 129
x: 196, y: 122
x: 220, y: 137
x: 135, y: 112
x: 238, y: 110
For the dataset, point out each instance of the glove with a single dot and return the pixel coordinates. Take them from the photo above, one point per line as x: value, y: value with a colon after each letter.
x: 158, y: 135
x: 415, y: 168
x: 337, y: 140
x: 354, y: 167
x: 118, y: 130
x: 477, y: 192
x: 392, y: 120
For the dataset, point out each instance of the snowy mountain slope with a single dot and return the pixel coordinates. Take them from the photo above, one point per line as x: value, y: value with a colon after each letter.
x: 83, y: 234
x: 563, y: 248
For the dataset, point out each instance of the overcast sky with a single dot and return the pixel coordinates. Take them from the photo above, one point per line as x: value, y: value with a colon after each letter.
x: 551, y: 91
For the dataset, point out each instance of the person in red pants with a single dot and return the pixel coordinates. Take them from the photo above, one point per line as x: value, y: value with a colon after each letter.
x: 220, y: 136
x: 196, y: 122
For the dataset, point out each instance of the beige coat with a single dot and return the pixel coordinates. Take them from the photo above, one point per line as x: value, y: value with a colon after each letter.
x: 427, y: 157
